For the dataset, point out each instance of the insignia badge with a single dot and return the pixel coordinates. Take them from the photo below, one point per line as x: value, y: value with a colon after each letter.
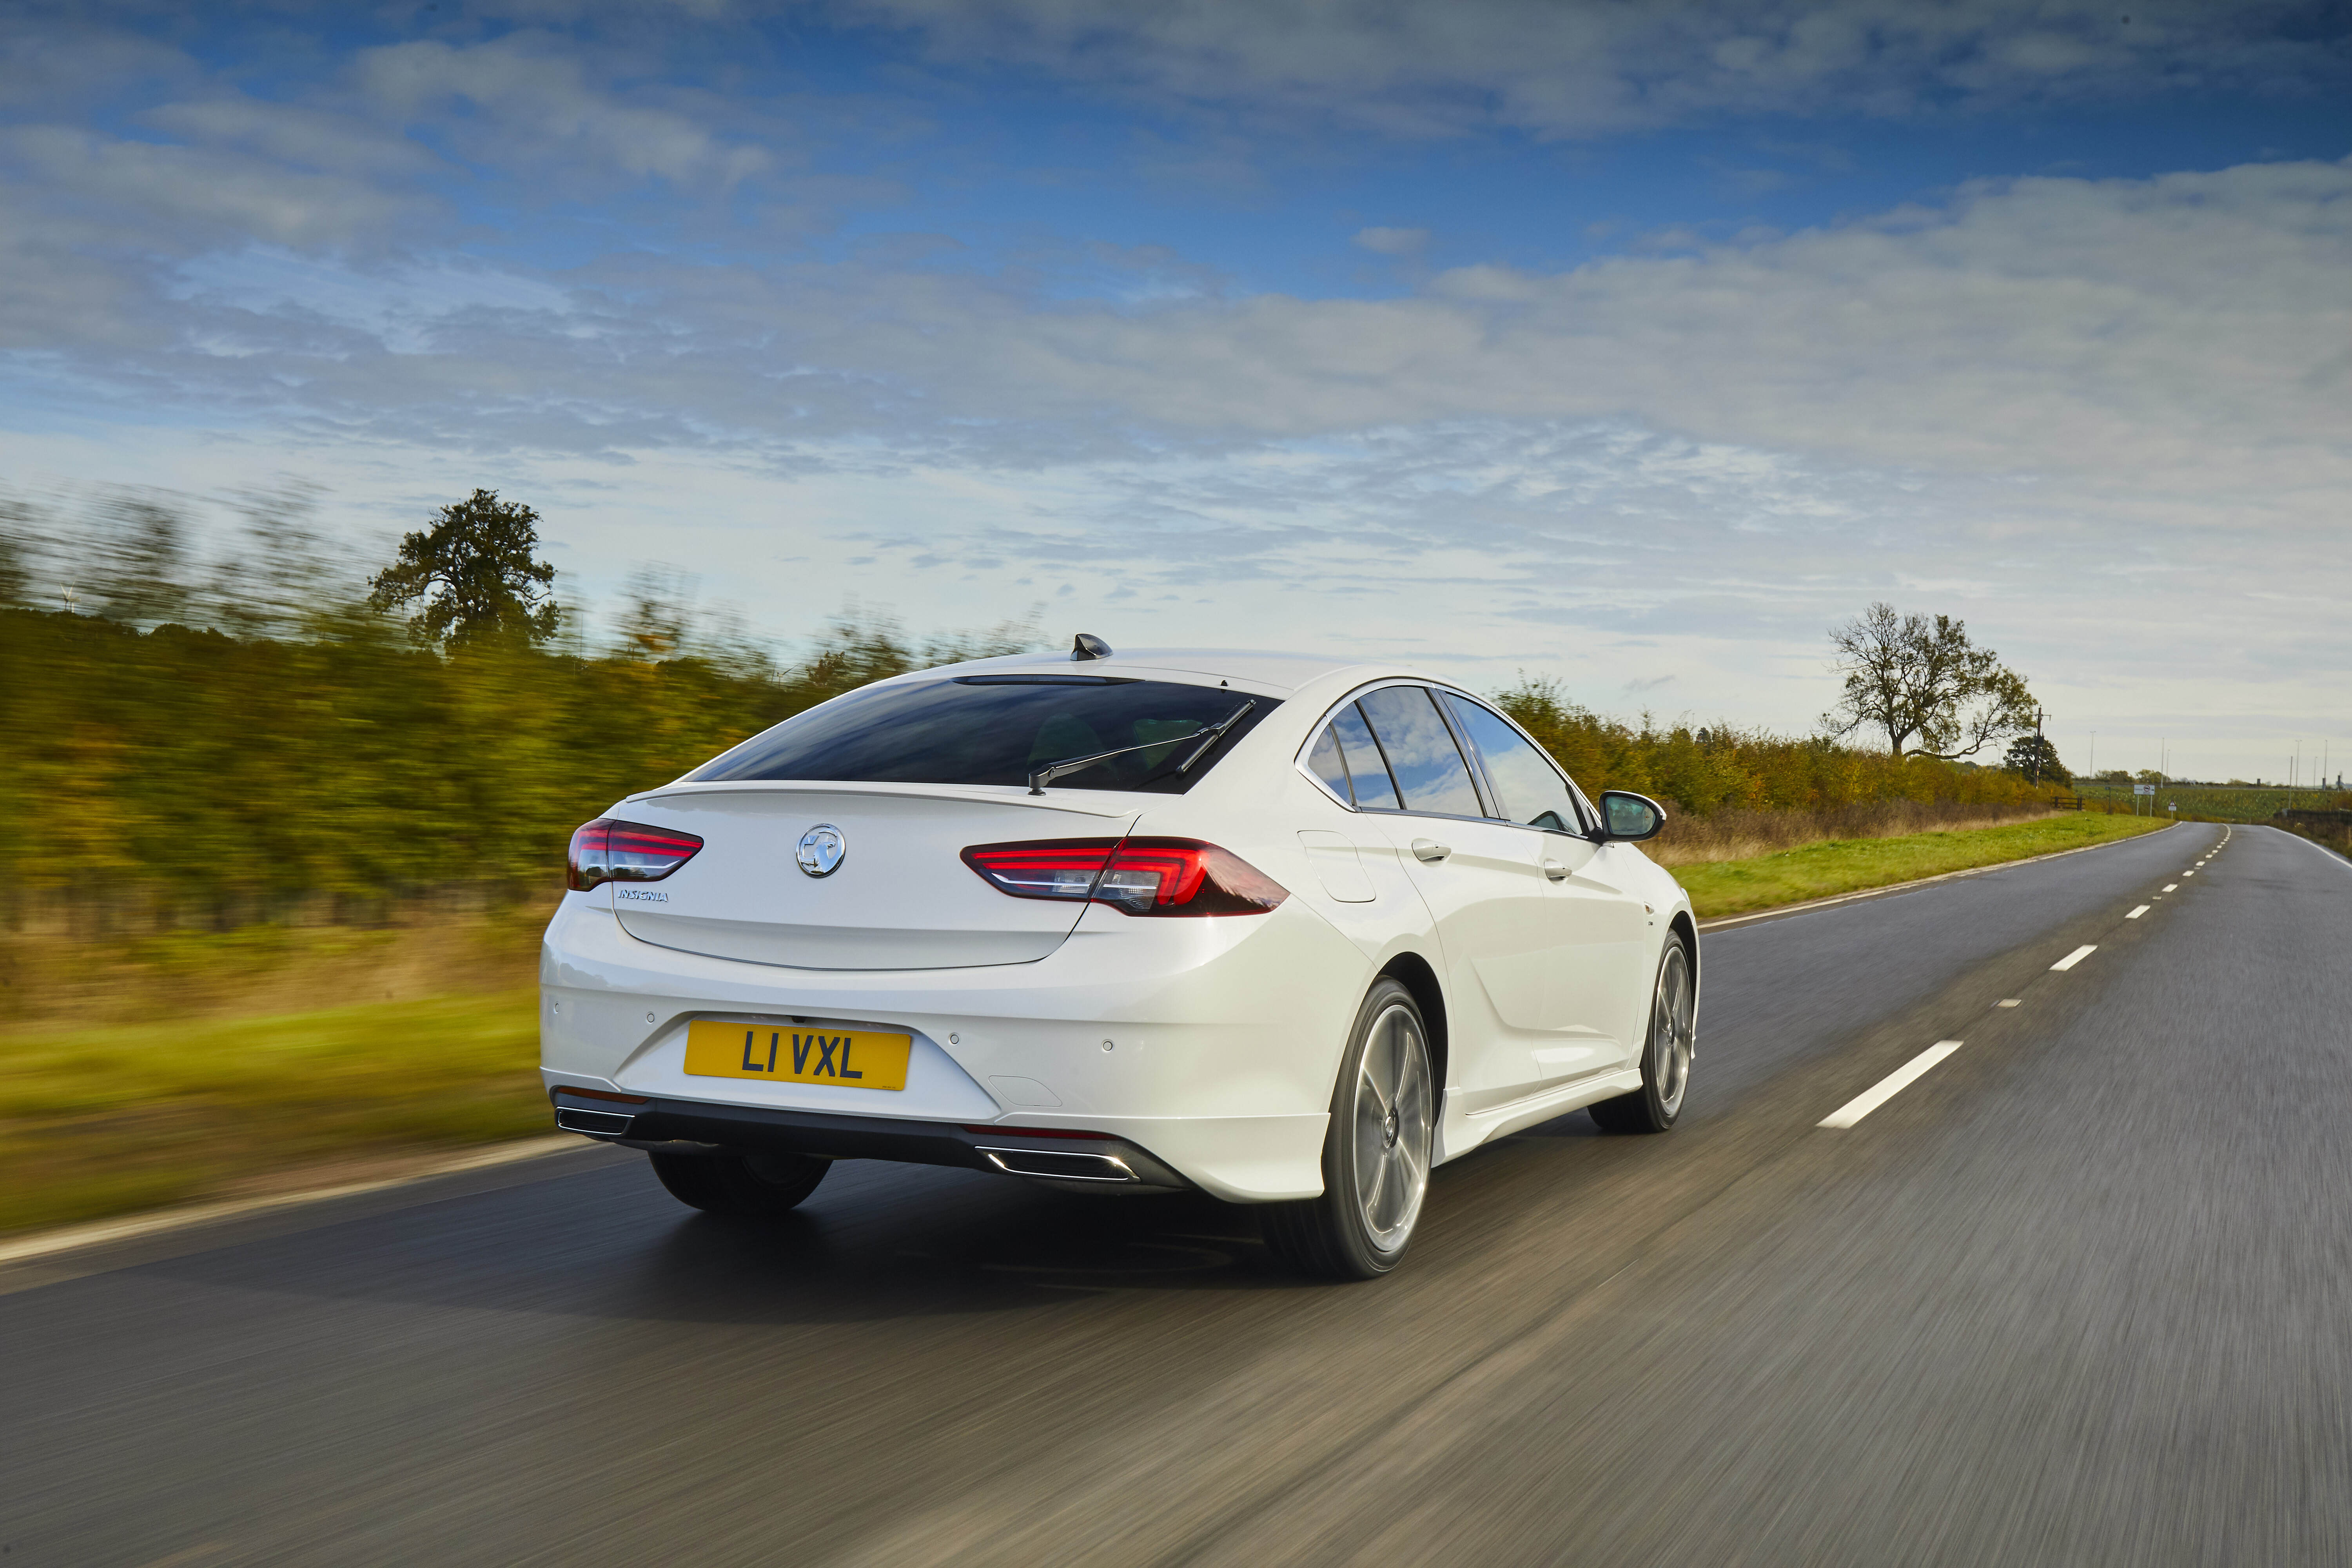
x: 821, y: 850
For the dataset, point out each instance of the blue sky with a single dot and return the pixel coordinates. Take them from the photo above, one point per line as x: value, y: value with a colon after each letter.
x: 1629, y: 344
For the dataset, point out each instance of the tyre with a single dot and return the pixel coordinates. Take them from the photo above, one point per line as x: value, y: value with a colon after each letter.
x: 741, y: 1185
x: 1376, y: 1154
x: 1666, y: 1059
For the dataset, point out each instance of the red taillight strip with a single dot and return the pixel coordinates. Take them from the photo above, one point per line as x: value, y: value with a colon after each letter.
x: 600, y: 1094
x: 653, y: 841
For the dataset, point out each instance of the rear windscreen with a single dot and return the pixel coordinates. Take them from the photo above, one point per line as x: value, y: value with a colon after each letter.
x: 997, y: 731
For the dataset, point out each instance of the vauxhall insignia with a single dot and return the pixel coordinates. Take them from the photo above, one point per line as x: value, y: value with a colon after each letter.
x: 822, y: 849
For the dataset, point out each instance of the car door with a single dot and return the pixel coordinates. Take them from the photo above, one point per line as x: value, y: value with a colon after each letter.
x: 1499, y: 925
x: 1595, y: 990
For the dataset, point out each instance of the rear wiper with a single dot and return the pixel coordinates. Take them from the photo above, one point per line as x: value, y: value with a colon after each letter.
x: 1207, y: 735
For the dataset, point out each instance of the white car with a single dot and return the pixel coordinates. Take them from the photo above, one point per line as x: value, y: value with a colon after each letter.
x: 1286, y: 930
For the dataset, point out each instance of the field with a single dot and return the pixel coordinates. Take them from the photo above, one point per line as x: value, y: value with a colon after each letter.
x: 2216, y: 801
x: 204, y: 1103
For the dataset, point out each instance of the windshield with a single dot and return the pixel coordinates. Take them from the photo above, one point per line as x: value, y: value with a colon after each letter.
x: 998, y: 730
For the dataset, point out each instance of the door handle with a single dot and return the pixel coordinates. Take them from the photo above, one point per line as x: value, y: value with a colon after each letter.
x: 1431, y: 850
x: 1555, y: 870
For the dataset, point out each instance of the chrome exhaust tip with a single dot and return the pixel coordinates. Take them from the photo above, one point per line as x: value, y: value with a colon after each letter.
x: 1060, y: 1165
x: 597, y: 1123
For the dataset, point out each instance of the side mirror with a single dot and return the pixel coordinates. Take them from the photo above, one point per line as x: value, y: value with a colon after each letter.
x: 1630, y: 817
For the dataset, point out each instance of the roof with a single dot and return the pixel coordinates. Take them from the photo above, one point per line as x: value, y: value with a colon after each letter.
x: 1280, y: 673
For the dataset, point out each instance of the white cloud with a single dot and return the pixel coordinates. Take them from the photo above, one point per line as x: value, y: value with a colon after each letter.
x: 2176, y: 342
x: 532, y: 101
x: 196, y: 194
x: 1393, y: 241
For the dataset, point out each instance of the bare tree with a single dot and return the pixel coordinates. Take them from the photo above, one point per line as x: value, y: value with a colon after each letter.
x: 1924, y: 685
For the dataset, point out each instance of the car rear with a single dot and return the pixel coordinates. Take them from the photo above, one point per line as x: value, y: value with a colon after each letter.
x: 874, y: 932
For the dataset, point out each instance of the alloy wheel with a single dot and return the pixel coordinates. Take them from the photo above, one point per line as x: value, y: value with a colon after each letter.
x: 1673, y: 1030
x: 1393, y: 1118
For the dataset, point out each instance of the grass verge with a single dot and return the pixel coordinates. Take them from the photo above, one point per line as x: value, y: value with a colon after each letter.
x: 1853, y: 865
x: 95, y: 1123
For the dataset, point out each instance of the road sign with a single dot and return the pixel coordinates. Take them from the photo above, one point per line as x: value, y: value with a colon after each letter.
x: 2143, y: 789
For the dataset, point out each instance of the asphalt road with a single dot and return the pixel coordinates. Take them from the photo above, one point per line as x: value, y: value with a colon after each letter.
x: 2077, y: 1295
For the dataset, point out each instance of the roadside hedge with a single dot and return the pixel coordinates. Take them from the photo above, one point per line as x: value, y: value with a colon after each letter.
x: 186, y: 774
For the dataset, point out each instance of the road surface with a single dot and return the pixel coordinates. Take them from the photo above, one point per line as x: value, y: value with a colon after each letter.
x: 2077, y: 1294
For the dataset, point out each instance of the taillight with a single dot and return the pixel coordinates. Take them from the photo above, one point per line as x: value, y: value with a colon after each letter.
x: 605, y: 850
x: 1134, y: 876
x: 1044, y: 869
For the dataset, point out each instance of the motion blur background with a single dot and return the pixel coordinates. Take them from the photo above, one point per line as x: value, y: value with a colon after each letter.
x: 1599, y: 356
x: 1627, y: 343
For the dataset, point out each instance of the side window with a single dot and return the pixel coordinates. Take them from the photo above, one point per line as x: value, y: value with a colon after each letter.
x: 1532, y: 790
x: 1366, y: 773
x: 1429, y: 773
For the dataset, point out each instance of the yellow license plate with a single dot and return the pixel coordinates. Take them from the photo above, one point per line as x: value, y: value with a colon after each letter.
x: 852, y: 1058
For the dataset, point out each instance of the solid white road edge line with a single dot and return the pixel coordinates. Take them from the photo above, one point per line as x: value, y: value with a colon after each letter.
x: 47, y: 1242
x: 1887, y: 1088
x: 2076, y: 957
x: 2282, y: 832
x: 2136, y: 914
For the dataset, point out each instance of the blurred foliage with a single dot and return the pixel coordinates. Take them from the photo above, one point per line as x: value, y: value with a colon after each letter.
x: 219, y: 742
x: 1706, y: 771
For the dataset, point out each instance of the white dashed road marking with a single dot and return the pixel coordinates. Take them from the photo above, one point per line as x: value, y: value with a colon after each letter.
x: 1887, y: 1088
x: 2136, y: 914
x: 2172, y: 886
x: 2076, y: 957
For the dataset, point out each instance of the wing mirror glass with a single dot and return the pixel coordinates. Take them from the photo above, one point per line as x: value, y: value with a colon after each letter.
x: 1630, y: 817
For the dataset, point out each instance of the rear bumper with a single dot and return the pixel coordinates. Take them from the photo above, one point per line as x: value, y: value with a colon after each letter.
x: 688, y: 1126
x: 1207, y: 1048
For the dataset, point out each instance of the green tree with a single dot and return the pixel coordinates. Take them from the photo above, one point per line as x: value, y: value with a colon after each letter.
x: 474, y: 573
x: 1923, y: 684
x: 2036, y: 757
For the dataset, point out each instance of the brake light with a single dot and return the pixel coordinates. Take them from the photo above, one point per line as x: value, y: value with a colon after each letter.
x: 1134, y: 876
x: 605, y: 850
